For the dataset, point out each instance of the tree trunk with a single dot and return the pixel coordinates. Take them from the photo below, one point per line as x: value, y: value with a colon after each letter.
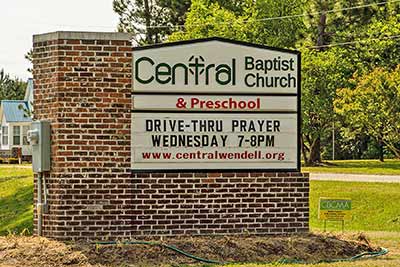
x: 303, y: 151
x: 315, y: 146
x: 321, y: 31
x: 315, y: 152
x: 148, y: 21
x: 380, y: 144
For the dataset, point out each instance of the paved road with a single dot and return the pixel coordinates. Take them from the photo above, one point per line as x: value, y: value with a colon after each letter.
x: 355, y: 177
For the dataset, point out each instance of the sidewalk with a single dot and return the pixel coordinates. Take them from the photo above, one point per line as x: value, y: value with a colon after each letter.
x: 355, y: 177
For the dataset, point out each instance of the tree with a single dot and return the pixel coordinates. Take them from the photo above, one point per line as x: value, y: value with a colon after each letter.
x: 143, y: 18
x: 210, y: 19
x: 322, y: 73
x: 375, y: 46
x: 246, y: 22
x: 11, y: 89
x: 373, y: 107
x: 326, y: 27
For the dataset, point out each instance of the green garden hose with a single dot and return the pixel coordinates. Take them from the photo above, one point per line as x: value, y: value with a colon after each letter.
x: 177, y: 250
x: 364, y: 255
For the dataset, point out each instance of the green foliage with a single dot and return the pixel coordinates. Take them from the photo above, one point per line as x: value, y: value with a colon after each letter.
x: 376, y: 47
x: 373, y: 107
x: 11, y: 89
x: 322, y: 72
x: 207, y: 18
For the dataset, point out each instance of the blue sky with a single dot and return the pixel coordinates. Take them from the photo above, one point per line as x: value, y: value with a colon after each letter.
x: 20, y: 19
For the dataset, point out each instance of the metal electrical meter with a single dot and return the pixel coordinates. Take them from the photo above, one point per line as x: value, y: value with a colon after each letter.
x: 39, y: 138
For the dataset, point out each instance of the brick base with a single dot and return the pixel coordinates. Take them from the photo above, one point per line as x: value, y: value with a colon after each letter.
x: 215, y: 203
x: 161, y: 204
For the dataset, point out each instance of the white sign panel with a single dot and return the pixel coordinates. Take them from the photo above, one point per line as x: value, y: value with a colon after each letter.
x: 214, y: 141
x: 215, y: 105
x: 215, y: 67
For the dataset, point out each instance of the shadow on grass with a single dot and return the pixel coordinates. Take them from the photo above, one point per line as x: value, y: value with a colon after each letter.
x: 16, y: 211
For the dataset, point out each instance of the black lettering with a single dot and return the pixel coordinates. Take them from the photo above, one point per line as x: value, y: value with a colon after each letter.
x: 137, y: 70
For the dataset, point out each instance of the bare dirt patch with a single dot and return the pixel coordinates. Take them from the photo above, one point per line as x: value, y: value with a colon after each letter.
x: 38, y: 251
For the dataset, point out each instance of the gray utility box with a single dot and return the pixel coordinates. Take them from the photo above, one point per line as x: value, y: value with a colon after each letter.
x: 39, y: 138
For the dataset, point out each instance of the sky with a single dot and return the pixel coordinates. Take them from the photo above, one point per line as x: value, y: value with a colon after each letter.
x: 21, y: 19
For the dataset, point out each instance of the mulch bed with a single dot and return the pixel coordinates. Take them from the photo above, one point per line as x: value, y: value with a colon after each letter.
x: 39, y: 251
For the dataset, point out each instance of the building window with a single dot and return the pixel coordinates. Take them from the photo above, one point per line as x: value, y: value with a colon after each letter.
x: 25, y: 130
x: 16, y: 135
x: 5, y: 135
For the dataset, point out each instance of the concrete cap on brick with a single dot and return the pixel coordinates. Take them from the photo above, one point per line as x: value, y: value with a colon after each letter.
x: 67, y: 35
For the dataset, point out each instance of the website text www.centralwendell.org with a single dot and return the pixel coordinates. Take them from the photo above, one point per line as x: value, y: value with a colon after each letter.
x: 211, y: 139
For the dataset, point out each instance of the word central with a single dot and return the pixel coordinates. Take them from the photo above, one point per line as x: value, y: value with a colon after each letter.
x: 195, y: 70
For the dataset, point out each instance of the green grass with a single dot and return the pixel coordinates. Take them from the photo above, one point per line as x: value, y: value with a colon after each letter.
x: 388, y: 167
x: 16, y: 199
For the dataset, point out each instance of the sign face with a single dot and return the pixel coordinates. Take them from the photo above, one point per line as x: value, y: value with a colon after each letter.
x: 334, y: 209
x: 215, y: 66
x: 215, y: 104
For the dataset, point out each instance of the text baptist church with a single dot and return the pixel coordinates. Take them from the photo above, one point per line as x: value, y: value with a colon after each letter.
x: 197, y: 71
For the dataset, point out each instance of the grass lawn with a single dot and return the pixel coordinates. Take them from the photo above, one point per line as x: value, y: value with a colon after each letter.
x: 388, y: 167
x: 16, y: 198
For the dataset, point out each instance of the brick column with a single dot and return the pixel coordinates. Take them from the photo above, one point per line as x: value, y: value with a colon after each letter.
x: 82, y: 85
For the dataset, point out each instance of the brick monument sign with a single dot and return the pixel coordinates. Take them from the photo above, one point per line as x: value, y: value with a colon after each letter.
x: 165, y: 139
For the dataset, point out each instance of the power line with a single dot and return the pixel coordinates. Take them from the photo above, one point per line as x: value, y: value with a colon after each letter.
x: 330, y: 11
x: 355, y: 42
x: 284, y: 17
x: 245, y: 21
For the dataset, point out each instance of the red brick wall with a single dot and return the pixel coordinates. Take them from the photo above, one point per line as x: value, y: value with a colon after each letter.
x: 83, y: 84
x: 220, y: 203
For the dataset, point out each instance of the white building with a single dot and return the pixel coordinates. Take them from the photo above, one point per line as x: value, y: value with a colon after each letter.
x: 15, y: 121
